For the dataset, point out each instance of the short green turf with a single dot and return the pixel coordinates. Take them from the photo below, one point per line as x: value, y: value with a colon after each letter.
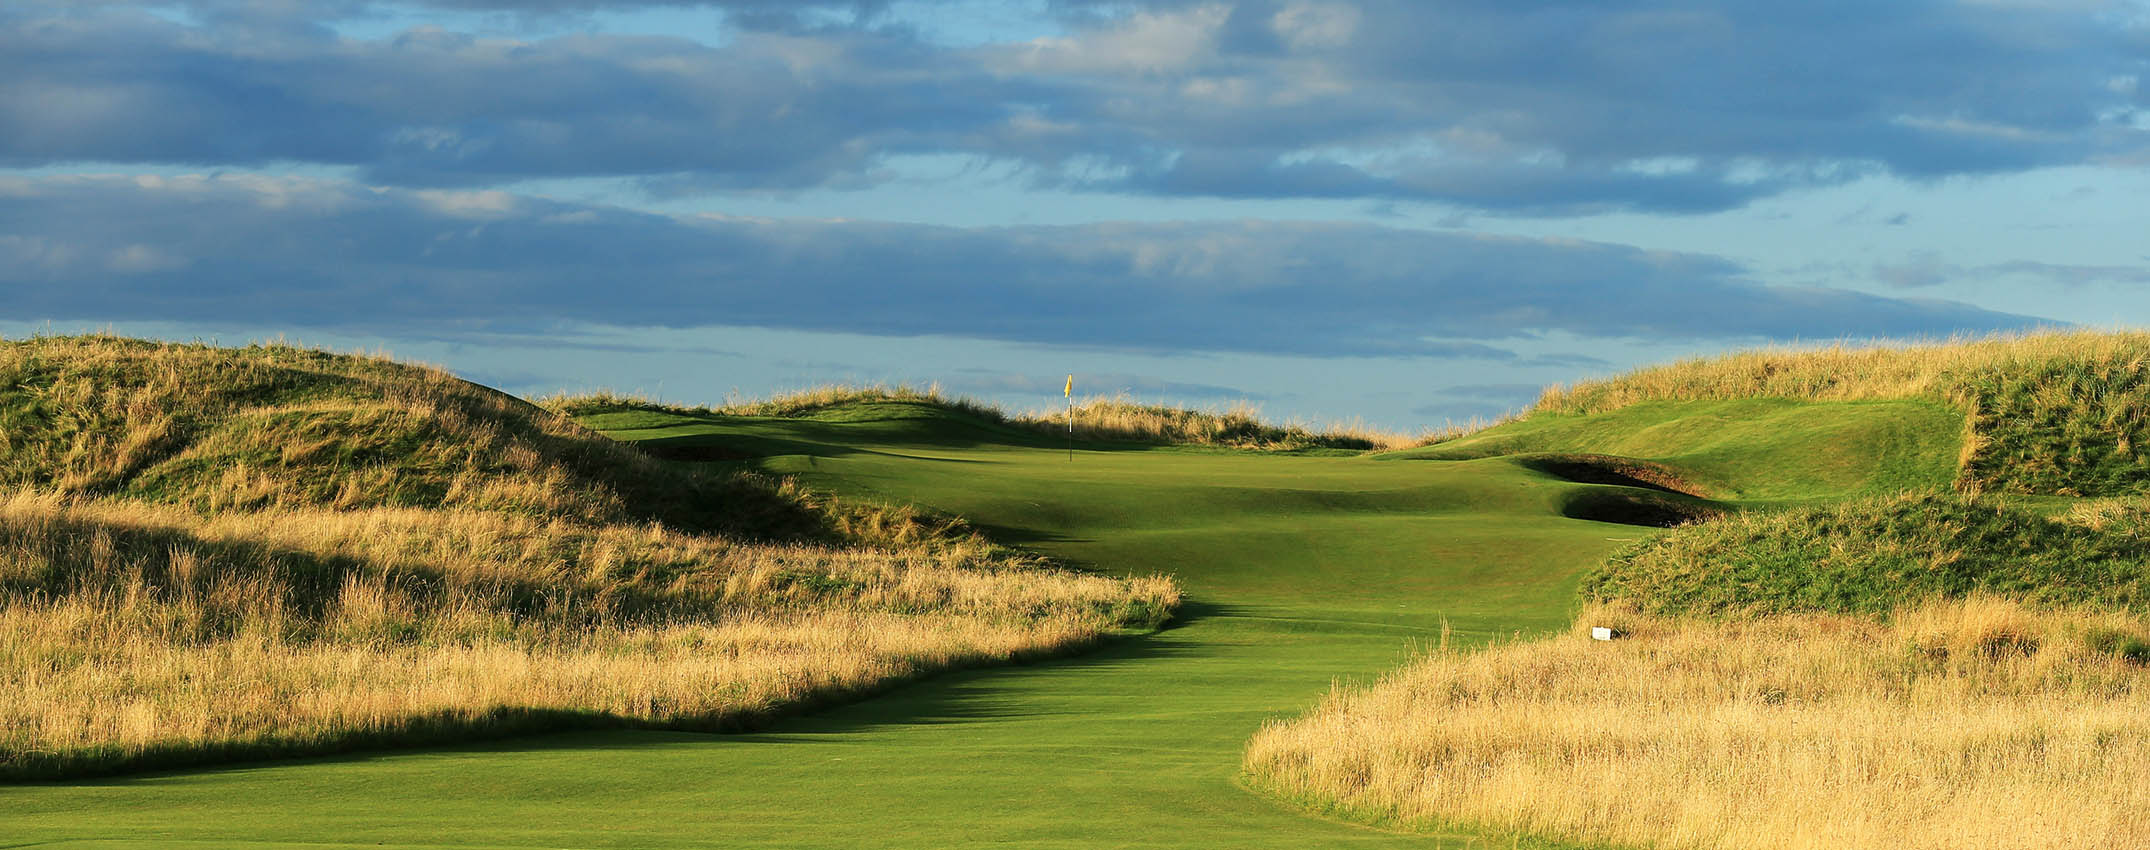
x: 1300, y: 570
x: 1753, y: 449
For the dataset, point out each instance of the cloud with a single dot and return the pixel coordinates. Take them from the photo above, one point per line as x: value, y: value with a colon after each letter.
x: 437, y: 108
x: 1551, y: 108
x: 1564, y: 360
x: 292, y: 251
x: 1926, y: 269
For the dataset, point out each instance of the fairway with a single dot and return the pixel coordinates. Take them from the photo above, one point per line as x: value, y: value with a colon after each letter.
x: 1299, y: 570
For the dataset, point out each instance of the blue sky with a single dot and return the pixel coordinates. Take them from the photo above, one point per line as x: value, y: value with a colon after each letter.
x: 1401, y: 212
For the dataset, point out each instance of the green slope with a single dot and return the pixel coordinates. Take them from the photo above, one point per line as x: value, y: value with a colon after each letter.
x: 1299, y: 569
x: 1757, y: 449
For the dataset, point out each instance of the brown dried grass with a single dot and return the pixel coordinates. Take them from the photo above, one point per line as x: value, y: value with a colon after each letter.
x: 1973, y: 723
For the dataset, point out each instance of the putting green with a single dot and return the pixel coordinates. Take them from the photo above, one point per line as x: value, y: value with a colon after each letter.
x: 1299, y: 570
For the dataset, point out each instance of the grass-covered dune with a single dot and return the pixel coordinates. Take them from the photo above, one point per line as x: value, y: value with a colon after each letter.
x: 2041, y: 423
x: 1091, y: 419
x: 219, y: 429
x: 210, y: 553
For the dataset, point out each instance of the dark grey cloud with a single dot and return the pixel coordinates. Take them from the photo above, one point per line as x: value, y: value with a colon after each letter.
x: 276, y: 252
x: 441, y: 108
x: 1534, y: 108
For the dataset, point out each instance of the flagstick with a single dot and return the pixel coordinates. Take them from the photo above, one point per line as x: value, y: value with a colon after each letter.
x: 1070, y: 394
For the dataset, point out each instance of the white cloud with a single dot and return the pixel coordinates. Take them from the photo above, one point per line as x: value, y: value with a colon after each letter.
x: 485, y: 204
x: 1143, y: 43
x: 1316, y: 26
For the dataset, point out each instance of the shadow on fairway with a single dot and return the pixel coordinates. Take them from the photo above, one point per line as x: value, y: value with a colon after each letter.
x: 961, y: 696
x: 1015, y: 535
x: 971, y: 696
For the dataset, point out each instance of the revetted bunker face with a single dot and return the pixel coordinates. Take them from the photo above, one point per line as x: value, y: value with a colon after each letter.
x: 1613, y: 470
x: 1637, y: 507
x: 1631, y: 492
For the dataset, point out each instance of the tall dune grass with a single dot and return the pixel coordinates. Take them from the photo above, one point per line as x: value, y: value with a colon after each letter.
x: 1847, y: 371
x: 1974, y: 723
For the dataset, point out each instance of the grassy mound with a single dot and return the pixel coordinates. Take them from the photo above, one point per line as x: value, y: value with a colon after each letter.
x: 1238, y: 426
x: 1871, y: 555
x: 2050, y: 413
x: 1753, y: 449
x: 209, y: 554
x: 282, y: 427
x: 1976, y: 723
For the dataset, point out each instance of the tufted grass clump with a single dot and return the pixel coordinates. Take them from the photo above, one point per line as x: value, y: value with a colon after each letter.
x: 1871, y: 555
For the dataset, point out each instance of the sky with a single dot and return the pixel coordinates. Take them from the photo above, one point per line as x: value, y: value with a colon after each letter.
x: 1403, y: 213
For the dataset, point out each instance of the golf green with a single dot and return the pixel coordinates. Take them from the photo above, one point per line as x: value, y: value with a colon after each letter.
x: 1299, y: 569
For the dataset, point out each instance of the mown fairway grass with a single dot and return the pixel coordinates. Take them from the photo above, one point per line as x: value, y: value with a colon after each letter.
x: 1299, y: 570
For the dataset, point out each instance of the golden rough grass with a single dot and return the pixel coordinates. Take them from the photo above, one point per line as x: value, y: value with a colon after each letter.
x: 1975, y: 723
x: 1845, y: 371
x: 93, y: 689
x: 136, y: 635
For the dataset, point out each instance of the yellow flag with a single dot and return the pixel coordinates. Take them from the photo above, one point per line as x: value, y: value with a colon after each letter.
x: 1070, y: 391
